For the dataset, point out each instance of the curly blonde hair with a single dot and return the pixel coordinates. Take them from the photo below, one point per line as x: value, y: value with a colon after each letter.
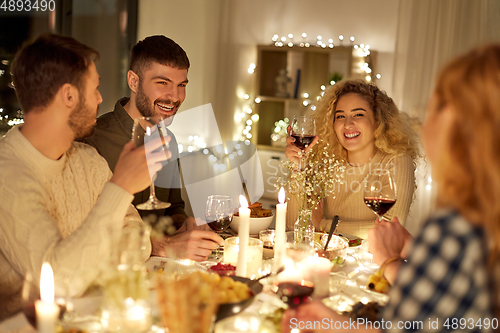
x: 394, y: 133
x: 471, y: 182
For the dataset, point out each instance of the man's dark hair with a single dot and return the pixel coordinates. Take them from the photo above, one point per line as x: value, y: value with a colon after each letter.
x: 158, y: 49
x: 41, y: 68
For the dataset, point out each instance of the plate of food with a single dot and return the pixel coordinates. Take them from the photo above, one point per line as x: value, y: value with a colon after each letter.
x: 353, y: 239
x: 260, y: 219
x: 190, y: 302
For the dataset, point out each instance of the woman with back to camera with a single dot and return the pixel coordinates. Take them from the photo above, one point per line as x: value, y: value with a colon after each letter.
x: 452, y: 275
x: 364, y: 128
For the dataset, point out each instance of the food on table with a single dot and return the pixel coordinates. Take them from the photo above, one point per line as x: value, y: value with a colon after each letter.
x: 369, y: 311
x: 223, y: 269
x: 378, y: 283
x: 187, y: 303
x: 231, y: 291
x: 256, y: 210
x: 355, y: 242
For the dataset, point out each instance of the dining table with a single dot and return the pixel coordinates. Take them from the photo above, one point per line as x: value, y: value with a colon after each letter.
x: 346, y: 291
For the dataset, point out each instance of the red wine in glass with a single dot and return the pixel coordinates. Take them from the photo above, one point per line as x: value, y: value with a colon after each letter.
x: 294, y: 293
x: 379, y: 191
x: 302, y: 141
x: 303, y: 131
x: 378, y: 205
x: 219, y: 225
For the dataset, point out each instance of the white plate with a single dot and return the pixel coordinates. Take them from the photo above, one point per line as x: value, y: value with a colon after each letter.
x: 173, y: 265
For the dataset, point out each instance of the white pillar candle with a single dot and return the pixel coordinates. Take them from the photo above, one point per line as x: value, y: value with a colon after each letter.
x: 243, y: 235
x: 319, y: 274
x: 47, y: 310
x: 280, y: 237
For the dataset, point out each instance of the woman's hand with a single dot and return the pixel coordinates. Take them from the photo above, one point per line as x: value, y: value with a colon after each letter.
x: 294, y: 153
x: 388, y: 240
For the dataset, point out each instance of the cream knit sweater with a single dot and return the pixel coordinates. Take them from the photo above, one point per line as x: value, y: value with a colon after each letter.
x: 348, y: 200
x: 63, y: 212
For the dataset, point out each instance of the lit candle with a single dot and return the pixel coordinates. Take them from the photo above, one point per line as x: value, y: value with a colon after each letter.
x: 319, y: 274
x: 47, y: 310
x: 280, y: 237
x: 243, y: 231
x: 291, y: 273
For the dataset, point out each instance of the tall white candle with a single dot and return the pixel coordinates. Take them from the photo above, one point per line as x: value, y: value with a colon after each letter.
x: 243, y: 231
x: 47, y: 310
x: 280, y: 237
x: 319, y: 274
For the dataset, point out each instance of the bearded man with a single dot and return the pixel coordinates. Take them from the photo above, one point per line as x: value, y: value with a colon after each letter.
x: 157, y: 80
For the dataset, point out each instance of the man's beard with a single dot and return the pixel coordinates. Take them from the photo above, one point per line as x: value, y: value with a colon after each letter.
x: 146, y: 108
x: 81, y: 120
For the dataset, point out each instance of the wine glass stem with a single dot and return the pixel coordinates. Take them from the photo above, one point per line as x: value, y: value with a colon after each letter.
x: 152, y: 193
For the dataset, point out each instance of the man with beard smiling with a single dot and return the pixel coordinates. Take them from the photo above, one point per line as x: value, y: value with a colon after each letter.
x: 59, y: 202
x: 157, y: 80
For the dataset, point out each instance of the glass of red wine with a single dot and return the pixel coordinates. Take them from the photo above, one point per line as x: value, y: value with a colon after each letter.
x: 303, y: 131
x: 219, y: 214
x: 380, y: 191
x: 293, y: 293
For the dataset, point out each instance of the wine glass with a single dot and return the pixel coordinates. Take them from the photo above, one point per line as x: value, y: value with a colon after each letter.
x: 303, y: 131
x: 146, y: 129
x: 380, y: 191
x: 219, y: 214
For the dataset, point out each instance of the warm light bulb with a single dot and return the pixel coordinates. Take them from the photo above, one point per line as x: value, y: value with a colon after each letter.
x: 330, y: 41
x: 257, y: 100
x: 351, y: 38
x: 305, y: 103
x: 246, y: 96
x: 319, y: 38
x: 283, y: 39
x: 290, y: 36
x: 341, y: 37
x: 306, y: 95
x: 378, y: 76
x: 255, y: 117
x: 304, y: 35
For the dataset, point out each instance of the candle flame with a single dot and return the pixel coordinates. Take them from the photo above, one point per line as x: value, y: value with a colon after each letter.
x: 243, y: 202
x: 281, y: 196
x: 47, y: 283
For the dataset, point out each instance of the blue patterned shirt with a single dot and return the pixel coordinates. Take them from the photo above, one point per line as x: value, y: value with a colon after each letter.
x: 445, y: 286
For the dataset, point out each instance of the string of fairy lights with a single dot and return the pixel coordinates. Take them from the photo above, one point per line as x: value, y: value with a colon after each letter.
x: 361, y: 67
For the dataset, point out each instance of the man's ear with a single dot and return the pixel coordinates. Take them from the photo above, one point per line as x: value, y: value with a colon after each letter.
x: 69, y: 95
x: 133, y: 81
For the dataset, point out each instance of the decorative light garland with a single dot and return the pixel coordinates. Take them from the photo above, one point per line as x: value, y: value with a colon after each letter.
x: 360, y: 51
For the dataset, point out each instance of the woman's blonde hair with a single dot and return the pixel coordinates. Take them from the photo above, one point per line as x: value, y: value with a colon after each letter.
x: 393, y: 133
x: 471, y: 181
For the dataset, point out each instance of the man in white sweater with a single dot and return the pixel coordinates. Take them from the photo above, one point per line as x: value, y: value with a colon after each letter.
x: 59, y: 201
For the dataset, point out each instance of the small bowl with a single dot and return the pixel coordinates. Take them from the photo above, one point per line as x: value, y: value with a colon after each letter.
x: 336, y: 248
x: 255, y: 224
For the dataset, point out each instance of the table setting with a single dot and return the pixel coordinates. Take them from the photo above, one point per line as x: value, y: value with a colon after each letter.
x: 253, y: 290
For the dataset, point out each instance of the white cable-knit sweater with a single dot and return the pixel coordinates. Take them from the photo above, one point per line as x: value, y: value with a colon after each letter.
x: 63, y: 212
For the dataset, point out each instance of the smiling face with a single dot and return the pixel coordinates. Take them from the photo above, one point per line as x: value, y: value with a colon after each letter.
x: 83, y: 117
x: 354, y: 125
x: 160, y: 90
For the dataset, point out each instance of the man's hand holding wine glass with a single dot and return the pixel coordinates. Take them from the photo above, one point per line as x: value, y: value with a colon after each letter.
x: 132, y: 171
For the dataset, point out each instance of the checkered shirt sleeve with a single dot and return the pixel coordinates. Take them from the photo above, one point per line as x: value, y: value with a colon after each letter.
x: 445, y: 277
